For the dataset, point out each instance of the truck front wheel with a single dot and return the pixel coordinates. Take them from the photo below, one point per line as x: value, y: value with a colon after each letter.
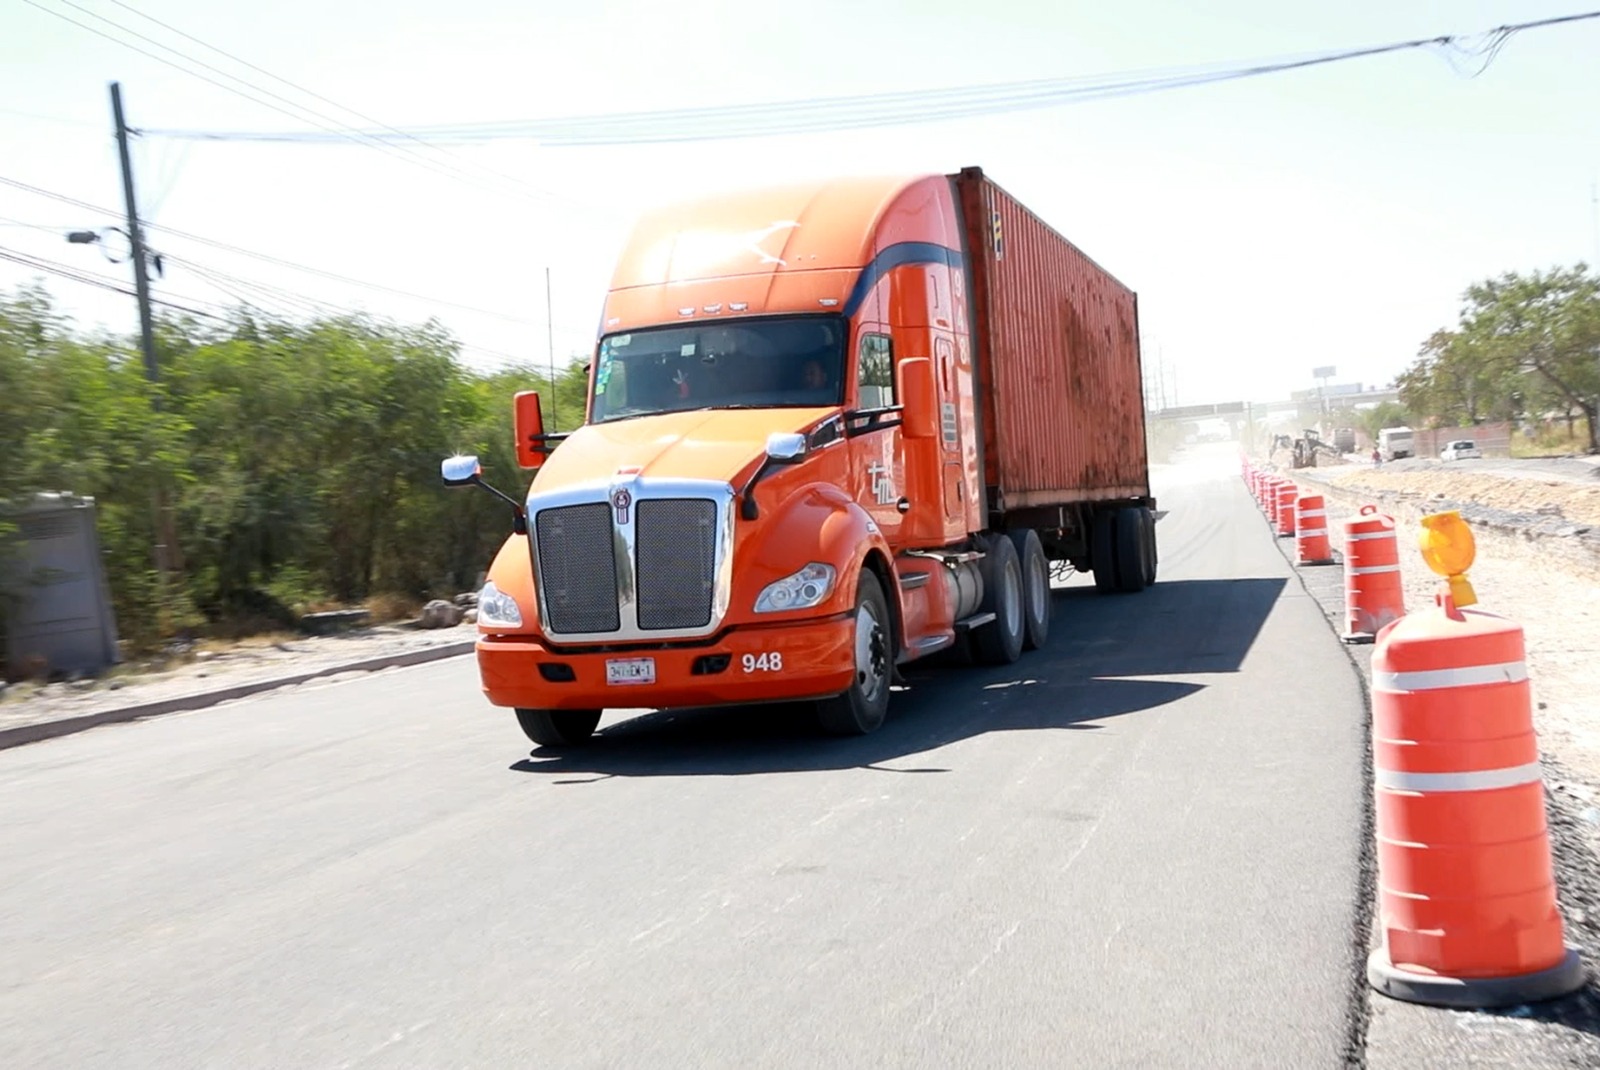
x: 863, y: 707
x: 558, y: 728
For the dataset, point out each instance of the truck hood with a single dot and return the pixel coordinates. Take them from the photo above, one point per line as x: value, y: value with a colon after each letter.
x: 714, y: 444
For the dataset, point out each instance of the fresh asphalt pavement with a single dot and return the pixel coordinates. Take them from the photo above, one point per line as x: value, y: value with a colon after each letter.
x: 1138, y: 847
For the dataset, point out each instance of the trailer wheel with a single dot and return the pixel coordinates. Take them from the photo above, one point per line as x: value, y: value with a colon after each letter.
x: 558, y: 728
x: 863, y: 707
x: 1151, y: 557
x: 1130, y: 553
x: 1000, y: 641
x: 1035, y: 587
x: 1102, y: 558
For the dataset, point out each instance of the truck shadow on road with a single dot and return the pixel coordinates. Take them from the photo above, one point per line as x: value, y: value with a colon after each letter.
x: 1085, y: 676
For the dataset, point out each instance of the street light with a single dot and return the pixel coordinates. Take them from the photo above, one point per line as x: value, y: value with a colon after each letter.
x: 97, y: 237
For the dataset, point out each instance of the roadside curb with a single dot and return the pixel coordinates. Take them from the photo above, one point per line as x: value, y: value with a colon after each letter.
x: 66, y: 726
x: 1394, y: 1033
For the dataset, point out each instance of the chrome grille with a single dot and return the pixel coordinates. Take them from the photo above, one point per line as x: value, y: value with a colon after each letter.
x: 677, y: 551
x: 578, y: 569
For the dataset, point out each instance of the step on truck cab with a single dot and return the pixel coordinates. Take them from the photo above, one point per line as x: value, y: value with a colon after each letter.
x: 831, y: 429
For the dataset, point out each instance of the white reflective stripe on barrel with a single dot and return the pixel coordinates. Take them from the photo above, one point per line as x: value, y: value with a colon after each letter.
x: 1368, y: 569
x: 1481, y: 780
x: 1507, y: 672
x: 1313, y: 512
x: 1389, y: 534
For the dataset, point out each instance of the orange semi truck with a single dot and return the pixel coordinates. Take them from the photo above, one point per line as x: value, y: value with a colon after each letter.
x: 831, y: 429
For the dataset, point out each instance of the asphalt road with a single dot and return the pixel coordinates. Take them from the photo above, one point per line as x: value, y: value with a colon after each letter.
x: 1139, y: 847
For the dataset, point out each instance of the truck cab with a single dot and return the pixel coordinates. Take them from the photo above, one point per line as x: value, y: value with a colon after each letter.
x: 779, y: 491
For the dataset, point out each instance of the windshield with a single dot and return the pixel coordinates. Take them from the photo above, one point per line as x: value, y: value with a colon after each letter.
x: 757, y: 364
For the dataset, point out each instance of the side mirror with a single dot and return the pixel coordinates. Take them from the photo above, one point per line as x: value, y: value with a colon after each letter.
x: 918, y: 398
x: 784, y: 447
x: 529, y: 424
x: 462, y: 470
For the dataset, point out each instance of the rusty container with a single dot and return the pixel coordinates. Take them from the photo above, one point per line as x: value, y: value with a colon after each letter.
x: 1057, y: 340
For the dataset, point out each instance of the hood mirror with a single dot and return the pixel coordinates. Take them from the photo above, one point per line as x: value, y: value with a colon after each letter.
x: 785, y: 447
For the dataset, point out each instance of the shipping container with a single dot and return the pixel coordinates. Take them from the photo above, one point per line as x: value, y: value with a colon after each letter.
x: 1057, y: 339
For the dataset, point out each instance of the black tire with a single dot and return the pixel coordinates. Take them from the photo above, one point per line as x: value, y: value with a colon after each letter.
x: 1036, y: 600
x: 1000, y: 641
x: 1130, y: 552
x: 1102, y: 556
x: 863, y: 707
x: 1152, y: 559
x: 558, y: 728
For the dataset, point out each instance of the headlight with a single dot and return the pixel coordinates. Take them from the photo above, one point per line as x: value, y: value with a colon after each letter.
x: 498, y: 608
x: 806, y: 588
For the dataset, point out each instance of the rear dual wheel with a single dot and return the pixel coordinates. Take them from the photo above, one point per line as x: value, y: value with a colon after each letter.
x: 1123, y: 549
x: 1000, y: 641
x: 1035, y: 588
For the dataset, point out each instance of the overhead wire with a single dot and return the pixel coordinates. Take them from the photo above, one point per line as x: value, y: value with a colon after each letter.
x: 309, y: 116
x: 276, y: 300
x: 280, y: 262
x: 90, y: 278
x: 909, y: 106
x: 325, y: 99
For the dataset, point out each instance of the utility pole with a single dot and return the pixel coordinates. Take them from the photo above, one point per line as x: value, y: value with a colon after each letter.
x: 166, y: 542
x: 550, y: 337
x: 141, y: 272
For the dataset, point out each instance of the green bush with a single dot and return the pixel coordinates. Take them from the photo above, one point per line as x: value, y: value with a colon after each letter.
x: 298, y: 462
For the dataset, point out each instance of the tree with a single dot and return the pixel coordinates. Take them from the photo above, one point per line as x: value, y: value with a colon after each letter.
x: 1384, y: 414
x: 1547, y: 325
x: 1456, y: 381
x: 302, y: 457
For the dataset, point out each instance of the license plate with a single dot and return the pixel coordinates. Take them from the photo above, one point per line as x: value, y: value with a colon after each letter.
x: 631, y: 671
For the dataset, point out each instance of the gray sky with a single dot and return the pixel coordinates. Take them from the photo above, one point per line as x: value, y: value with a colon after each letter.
x: 1329, y: 216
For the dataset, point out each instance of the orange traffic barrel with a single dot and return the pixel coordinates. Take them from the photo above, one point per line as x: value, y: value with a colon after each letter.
x: 1373, y: 595
x: 1287, y: 492
x: 1466, y: 888
x: 1311, y: 531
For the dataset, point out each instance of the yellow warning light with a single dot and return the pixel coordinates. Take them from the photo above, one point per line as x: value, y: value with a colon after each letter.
x: 1449, y: 548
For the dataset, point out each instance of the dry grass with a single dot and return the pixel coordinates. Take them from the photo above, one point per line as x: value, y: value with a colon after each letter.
x: 389, y: 608
x: 1555, y: 442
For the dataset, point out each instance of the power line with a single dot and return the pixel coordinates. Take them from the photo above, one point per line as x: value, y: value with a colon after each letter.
x: 89, y: 278
x: 886, y: 109
x: 62, y: 197
x: 295, y: 303
x: 301, y: 304
x: 325, y: 99
x: 321, y: 121
x: 278, y: 261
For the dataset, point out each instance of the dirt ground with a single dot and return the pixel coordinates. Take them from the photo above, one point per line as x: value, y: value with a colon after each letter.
x: 1513, y: 494
x: 1516, y: 577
